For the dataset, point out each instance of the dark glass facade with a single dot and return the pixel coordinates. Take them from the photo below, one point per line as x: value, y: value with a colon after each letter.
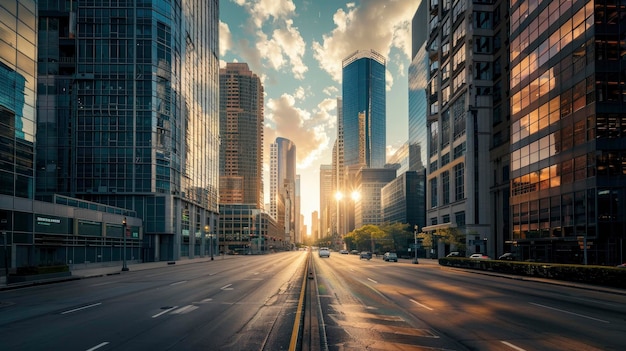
x: 568, y: 174
x: 364, y: 109
x: 128, y: 105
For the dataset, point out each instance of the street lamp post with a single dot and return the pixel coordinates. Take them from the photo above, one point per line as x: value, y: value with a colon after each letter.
x: 415, y: 239
x: 124, y: 266
x: 207, y: 229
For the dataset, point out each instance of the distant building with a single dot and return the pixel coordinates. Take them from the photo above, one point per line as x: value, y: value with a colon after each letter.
x: 241, y: 129
x: 282, y: 186
x: 364, y: 109
x: 327, y: 200
x: 400, y: 199
x: 369, y: 182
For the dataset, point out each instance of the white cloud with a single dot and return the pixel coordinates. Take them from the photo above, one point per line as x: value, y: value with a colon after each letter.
x: 331, y: 90
x: 307, y: 130
x: 262, y: 10
x: 300, y: 93
x: 226, y: 38
x: 375, y: 24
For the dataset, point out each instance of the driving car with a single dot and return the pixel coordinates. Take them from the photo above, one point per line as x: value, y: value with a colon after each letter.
x: 324, y: 252
x: 354, y: 252
x: 365, y: 255
x: 507, y: 257
x: 390, y: 256
x: 343, y: 252
x: 479, y: 256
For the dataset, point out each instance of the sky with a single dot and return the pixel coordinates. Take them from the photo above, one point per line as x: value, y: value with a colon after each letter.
x: 296, y: 48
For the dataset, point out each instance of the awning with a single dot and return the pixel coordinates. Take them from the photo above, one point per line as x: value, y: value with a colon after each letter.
x: 434, y: 227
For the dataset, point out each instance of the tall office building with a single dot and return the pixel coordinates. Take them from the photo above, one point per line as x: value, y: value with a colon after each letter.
x: 241, y: 126
x: 418, y: 109
x: 128, y: 101
x: 282, y: 186
x: 327, y: 199
x: 463, y: 91
x: 364, y: 109
x: 18, y: 52
x: 568, y: 174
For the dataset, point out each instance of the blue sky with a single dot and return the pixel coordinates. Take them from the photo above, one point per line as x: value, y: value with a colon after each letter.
x: 296, y: 48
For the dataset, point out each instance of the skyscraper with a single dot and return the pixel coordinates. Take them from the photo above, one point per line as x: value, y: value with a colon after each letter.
x: 129, y: 107
x: 282, y: 186
x: 241, y: 128
x: 464, y: 98
x: 364, y: 109
x: 568, y: 169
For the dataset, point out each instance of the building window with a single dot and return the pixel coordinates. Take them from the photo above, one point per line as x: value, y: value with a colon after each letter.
x: 445, y: 180
x: 459, y: 176
x: 433, y: 193
x: 459, y: 218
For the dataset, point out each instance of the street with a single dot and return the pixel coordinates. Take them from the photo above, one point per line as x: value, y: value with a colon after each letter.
x: 251, y: 303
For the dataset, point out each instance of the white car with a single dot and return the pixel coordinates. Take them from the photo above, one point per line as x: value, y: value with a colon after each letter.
x: 324, y: 252
x: 479, y: 256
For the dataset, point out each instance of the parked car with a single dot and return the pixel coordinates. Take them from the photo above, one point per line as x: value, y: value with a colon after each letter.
x: 354, y: 252
x: 365, y: 255
x: 479, y: 256
x: 454, y: 254
x: 507, y: 257
x: 390, y: 256
x: 324, y: 252
x: 343, y: 252
x: 623, y: 265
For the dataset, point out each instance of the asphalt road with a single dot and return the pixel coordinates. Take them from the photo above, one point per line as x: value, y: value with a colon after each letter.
x: 251, y: 302
x: 387, y: 305
x: 247, y: 303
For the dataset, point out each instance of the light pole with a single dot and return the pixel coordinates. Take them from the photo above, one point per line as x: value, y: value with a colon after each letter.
x: 207, y: 234
x: 415, y: 240
x: 124, y: 266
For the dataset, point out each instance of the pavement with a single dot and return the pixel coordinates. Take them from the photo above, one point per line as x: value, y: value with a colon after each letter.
x: 91, y: 270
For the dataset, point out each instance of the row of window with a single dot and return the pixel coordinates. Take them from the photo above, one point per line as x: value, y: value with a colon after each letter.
x: 459, y: 186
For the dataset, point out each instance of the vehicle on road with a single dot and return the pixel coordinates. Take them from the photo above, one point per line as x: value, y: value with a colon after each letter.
x: 479, y: 256
x: 354, y: 252
x: 324, y: 252
x: 508, y: 256
x: 454, y: 254
x: 623, y: 265
x: 343, y: 252
x: 365, y: 255
x: 390, y: 256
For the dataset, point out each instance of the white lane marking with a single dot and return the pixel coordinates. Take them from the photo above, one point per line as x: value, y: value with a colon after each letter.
x: 207, y: 300
x: 82, y: 308
x: 568, y: 312
x: 421, y: 305
x: 372, y: 280
x: 185, y: 309
x: 227, y: 287
x: 512, y: 346
x: 180, y: 282
x: 164, y: 312
x: 98, y: 346
x: 101, y: 284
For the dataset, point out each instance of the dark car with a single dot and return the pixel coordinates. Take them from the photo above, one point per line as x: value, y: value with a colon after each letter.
x: 390, y: 257
x: 454, y: 254
x: 507, y: 257
x: 365, y: 255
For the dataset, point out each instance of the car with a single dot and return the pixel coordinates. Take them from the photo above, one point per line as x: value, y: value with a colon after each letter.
x: 454, y: 254
x: 354, y: 252
x: 479, y: 256
x: 324, y: 252
x: 508, y: 256
x: 623, y: 265
x: 343, y: 252
x: 390, y: 256
x: 365, y: 255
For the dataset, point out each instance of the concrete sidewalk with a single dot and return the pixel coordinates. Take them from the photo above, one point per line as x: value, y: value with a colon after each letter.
x: 89, y: 270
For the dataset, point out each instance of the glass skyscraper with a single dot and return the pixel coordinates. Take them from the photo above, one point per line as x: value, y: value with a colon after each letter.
x: 364, y: 109
x: 568, y: 134
x: 128, y: 105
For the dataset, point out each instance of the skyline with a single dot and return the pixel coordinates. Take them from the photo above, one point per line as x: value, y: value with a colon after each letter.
x: 296, y: 48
